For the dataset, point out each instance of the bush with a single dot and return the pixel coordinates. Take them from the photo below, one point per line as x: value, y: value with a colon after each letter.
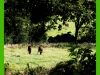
x: 82, y: 63
x: 39, y: 70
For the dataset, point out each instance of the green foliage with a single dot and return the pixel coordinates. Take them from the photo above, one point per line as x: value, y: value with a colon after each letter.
x: 89, y: 33
x: 21, y: 17
x: 10, y: 68
x: 39, y: 70
x: 6, y: 65
x: 82, y: 63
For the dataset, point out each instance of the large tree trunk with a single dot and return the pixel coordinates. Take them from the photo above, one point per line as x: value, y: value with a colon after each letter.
x: 77, y: 26
x: 43, y: 27
x: 76, y: 33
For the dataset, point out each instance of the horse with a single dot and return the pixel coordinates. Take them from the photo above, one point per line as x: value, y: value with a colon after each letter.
x: 29, y: 49
x: 40, y: 49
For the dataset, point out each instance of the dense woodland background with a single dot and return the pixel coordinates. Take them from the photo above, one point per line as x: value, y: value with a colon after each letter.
x: 28, y: 21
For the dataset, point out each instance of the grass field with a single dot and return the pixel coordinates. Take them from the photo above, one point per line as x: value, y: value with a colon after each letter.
x: 49, y: 58
x: 64, y: 30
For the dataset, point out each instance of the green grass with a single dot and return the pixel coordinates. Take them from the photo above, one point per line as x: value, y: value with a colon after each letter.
x: 49, y: 58
x: 64, y: 30
x: 52, y: 55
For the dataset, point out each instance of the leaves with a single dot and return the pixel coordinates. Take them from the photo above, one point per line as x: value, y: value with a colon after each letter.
x: 20, y: 14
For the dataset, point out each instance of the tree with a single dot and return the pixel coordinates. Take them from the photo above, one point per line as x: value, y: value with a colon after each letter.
x: 16, y: 22
x: 41, y: 11
x: 82, y: 12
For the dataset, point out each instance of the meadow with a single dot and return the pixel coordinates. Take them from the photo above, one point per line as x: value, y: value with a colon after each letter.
x: 52, y: 54
x: 49, y: 58
x: 65, y: 29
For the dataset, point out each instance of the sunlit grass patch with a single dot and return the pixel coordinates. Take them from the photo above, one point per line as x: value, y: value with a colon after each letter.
x: 49, y: 58
x: 65, y: 29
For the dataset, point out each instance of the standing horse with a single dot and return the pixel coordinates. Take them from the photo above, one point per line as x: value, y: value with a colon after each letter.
x: 40, y: 49
x: 29, y: 49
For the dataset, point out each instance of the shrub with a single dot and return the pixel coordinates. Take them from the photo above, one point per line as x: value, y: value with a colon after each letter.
x: 82, y: 63
x: 39, y: 70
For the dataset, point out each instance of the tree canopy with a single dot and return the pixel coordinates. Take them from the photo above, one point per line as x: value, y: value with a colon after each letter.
x: 24, y: 17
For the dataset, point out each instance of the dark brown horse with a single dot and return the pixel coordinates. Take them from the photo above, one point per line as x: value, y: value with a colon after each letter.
x: 29, y: 49
x: 40, y: 49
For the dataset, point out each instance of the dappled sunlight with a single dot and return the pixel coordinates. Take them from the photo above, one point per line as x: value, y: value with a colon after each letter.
x: 64, y: 30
